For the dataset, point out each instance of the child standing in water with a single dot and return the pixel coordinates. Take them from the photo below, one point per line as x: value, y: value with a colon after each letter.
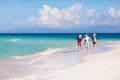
x: 94, y: 39
x: 86, y: 41
x: 79, y: 42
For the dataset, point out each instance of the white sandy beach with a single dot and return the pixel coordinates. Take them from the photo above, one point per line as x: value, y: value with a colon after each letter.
x: 104, y: 66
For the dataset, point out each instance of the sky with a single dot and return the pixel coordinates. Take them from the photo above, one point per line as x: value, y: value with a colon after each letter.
x: 59, y: 16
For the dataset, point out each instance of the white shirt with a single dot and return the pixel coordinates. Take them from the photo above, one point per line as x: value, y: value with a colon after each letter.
x: 86, y: 39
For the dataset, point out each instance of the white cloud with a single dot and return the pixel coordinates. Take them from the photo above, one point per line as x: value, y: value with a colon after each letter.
x: 112, y: 17
x: 91, y: 17
x: 49, y: 16
x: 55, y: 17
x: 72, y: 16
x: 90, y: 12
x: 118, y: 13
x: 31, y: 19
x: 114, y: 13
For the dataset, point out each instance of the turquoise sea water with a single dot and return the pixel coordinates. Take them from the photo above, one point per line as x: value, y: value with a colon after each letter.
x: 25, y: 44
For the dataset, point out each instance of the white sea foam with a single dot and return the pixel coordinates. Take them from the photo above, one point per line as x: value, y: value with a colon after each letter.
x: 50, y: 51
x: 14, y: 40
x: 44, y: 55
x: 35, y: 59
x: 46, y: 52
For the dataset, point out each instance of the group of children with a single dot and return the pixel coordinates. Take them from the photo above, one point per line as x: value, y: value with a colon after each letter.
x: 86, y: 41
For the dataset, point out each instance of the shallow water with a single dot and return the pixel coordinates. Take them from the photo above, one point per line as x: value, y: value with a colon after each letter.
x: 25, y: 44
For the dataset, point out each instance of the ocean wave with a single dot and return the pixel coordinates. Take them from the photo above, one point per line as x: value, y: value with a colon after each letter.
x: 49, y: 51
x: 44, y: 55
x: 14, y: 40
x: 36, y: 57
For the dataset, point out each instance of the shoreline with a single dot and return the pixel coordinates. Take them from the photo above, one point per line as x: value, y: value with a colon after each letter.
x: 31, y: 65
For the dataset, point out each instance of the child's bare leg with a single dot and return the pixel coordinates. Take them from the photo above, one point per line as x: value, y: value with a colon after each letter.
x: 94, y: 48
x: 80, y: 47
x: 94, y: 45
x: 87, y: 47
